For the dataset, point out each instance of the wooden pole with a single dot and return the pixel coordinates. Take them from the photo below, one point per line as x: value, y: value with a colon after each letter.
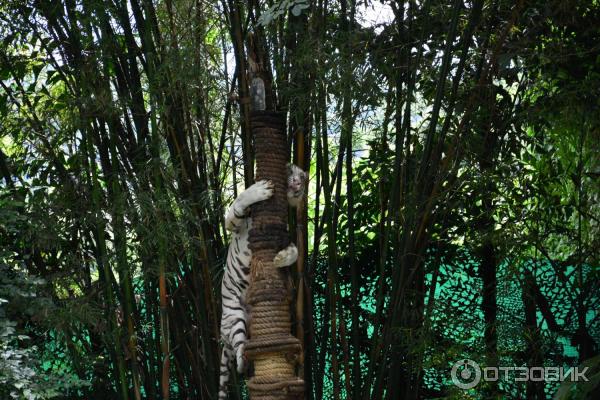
x: 272, y: 348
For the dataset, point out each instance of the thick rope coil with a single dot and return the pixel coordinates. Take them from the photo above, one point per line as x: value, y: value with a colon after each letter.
x: 272, y: 348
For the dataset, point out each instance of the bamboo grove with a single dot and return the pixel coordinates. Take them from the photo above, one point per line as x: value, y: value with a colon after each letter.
x: 452, y: 210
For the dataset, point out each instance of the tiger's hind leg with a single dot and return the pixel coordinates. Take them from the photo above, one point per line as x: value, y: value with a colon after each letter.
x: 238, y: 340
x: 239, y: 352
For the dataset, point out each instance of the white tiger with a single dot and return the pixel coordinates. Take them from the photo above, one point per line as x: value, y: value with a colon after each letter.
x: 235, y: 282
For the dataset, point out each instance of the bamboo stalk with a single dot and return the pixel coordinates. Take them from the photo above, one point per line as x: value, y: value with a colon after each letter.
x: 164, y: 331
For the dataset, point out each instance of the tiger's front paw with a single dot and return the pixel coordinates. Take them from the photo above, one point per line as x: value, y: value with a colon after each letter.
x: 261, y: 190
x: 286, y: 257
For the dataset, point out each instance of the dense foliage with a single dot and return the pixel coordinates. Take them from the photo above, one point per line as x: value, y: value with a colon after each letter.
x: 453, y: 202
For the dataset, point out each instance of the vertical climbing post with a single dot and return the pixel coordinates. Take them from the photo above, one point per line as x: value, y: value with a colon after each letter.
x: 271, y: 347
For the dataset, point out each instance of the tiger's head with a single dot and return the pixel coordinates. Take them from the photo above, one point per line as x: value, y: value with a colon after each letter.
x: 296, y: 184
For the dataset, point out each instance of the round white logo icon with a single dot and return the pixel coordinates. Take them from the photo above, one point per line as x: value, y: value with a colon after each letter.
x: 470, y: 374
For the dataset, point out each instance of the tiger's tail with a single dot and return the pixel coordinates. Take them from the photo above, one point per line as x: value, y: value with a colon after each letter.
x: 226, y: 360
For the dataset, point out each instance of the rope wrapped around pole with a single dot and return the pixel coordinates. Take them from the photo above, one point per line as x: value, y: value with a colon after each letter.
x: 272, y: 348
